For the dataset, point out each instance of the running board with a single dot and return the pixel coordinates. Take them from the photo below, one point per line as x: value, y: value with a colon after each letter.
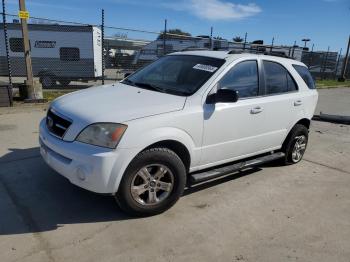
x: 225, y: 170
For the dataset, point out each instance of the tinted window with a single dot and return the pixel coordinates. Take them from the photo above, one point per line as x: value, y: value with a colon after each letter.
x: 16, y: 45
x: 277, y: 79
x: 305, y: 75
x: 243, y: 78
x: 69, y: 54
x: 176, y: 74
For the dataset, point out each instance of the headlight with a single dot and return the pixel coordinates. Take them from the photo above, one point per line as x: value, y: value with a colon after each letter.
x: 102, y: 134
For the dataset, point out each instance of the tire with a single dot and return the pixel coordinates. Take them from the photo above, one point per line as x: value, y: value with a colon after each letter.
x: 295, y: 144
x: 135, y: 195
x: 64, y: 82
x: 47, y: 81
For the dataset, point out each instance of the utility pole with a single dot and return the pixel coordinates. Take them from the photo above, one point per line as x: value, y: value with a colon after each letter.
x: 34, y: 89
x: 164, y: 36
x: 345, y: 64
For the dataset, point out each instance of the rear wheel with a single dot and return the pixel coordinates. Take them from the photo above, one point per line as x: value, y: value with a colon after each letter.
x: 152, y: 183
x: 47, y: 81
x: 295, y: 144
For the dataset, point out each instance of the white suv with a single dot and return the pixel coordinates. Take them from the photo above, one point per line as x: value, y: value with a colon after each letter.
x: 186, y: 118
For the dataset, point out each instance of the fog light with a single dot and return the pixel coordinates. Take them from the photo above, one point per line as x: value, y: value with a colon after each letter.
x: 81, y: 173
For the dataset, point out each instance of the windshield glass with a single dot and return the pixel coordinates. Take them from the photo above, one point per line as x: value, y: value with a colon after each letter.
x: 176, y: 74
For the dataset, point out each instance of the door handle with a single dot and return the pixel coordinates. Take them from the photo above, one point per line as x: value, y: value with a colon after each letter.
x: 298, y: 103
x: 256, y: 110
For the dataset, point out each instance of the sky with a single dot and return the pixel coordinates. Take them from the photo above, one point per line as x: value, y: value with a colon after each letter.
x: 324, y: 22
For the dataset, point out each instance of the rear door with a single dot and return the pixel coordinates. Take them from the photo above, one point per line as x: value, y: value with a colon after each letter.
x: 282, y: 102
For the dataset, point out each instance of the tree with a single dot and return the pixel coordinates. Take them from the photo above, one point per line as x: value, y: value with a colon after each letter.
x: 174, y: 34
x: 238, y: 39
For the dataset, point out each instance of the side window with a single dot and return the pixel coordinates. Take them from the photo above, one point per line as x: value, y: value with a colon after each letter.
x: 277, y: 79
x: 69, y: 54
x: 305, y: 75
x: 243, y: 78
x: 16, y: 45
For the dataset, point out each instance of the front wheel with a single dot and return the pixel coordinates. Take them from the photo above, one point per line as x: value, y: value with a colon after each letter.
x: 295, y: 144
x: 152, y: 183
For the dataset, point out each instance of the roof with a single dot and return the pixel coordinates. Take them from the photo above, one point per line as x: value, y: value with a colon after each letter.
x: 49, y: 27
x: 226, y: 55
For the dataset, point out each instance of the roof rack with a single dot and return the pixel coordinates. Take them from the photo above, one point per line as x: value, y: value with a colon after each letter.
x: 271, y: 53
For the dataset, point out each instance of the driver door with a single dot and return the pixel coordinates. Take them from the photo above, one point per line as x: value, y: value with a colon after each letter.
x: 235, y: 130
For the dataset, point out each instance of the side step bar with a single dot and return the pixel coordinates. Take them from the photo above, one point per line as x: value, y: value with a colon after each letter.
x: 225, y: 170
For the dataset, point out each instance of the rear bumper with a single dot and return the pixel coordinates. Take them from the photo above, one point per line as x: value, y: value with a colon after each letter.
x: 93, y: 168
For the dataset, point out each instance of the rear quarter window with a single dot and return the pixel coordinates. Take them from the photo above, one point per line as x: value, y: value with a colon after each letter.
x: 305, y: 75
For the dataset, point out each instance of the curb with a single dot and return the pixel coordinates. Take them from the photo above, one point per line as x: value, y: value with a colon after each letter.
x: 332, y: 118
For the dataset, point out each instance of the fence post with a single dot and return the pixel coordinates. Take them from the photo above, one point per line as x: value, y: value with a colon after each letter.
x: 245, y: 40
x: 273, y: 39
x: 311, y: 53
x: 9, y: 88
x: 103, y: 45
x: 345, y: 63
x: 295, y: 43
x: 325, y: 64
x: 337, y: 64
x: 164, y: 36
x: 211, y: 38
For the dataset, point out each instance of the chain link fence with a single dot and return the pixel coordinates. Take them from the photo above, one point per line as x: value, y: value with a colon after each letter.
x: 67, y: 55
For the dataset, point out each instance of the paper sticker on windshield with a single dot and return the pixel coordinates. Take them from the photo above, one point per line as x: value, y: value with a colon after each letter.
x: 207, y: 68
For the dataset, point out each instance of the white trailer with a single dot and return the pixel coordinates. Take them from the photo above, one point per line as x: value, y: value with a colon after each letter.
x: 61, y: 53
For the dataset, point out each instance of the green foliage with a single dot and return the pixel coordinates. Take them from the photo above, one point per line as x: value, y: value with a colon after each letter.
x: 238, y: 39
x: 175, y: 34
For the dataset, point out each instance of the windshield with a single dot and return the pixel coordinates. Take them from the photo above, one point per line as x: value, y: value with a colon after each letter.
x: 176, y: 74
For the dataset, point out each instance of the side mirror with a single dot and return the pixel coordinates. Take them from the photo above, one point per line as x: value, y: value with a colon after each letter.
x: 223, y: 96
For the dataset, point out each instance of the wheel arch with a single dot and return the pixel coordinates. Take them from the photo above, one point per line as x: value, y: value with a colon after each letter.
x: 179, y: 148
x: 304, y: 121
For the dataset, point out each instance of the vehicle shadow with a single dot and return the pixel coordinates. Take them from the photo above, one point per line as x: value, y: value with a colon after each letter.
x: 34, y: 198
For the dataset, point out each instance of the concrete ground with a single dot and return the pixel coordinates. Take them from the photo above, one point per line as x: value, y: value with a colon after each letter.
x: 293, y: 213
x: 334, y: 101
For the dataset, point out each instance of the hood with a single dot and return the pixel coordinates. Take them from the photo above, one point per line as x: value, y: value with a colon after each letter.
x: 115, y: 103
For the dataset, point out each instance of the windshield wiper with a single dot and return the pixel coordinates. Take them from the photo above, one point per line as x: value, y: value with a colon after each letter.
x: 149, y: 86
x: 128, y: 82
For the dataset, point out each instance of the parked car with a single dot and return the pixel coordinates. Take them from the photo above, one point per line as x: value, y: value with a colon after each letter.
x: 186, y: 118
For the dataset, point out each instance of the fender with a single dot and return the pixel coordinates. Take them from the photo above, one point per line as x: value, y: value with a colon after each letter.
x: 136, y: 144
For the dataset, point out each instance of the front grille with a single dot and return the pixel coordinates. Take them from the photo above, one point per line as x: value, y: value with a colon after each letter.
x: 56, y: 124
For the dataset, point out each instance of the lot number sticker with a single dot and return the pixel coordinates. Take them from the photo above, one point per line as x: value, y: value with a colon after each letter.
x: 207, y: 68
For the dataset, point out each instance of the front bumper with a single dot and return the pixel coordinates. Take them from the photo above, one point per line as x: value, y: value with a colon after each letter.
x: 93, y: 168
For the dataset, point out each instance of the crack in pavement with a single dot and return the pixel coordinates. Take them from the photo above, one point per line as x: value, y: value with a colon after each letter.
x: 327, y: 166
